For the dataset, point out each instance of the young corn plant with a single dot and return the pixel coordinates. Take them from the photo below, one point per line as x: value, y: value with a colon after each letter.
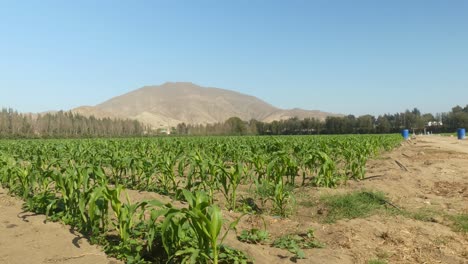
x: 197, y: 172
x: 283, y: 199
x: 96, y: 213
x: 259, y: 165
x: 167, y: 177
x: 127, y: 216
x: 22, y: 185
x: 72, y: 185
x: 326, y: 170
x: 229, y: 180
x: 124, y: 212
x: 190, y: 235
x: 137, y: 171
x: 289, y: 166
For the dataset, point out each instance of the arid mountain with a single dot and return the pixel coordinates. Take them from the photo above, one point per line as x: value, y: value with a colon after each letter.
x: 176, y: 102
x: 96, y: 112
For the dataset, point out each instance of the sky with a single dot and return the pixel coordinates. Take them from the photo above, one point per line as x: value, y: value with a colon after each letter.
x: 351, y: 57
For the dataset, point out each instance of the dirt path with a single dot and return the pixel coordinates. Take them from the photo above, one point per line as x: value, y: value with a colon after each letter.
x: 448, y: 143
x: 25, y: 238
x: 433, y: 176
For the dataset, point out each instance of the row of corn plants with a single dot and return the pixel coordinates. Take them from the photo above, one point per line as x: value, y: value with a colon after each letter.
x: 149, y: 231
x: 81, y: 182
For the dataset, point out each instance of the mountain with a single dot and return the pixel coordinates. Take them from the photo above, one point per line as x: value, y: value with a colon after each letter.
x: 175, y: 102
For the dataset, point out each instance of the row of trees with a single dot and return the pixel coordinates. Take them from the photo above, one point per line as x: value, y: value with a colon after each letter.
x: 64, y: 125
x: 232, y: 126
x: 70, y: 125
x: 365, y: 124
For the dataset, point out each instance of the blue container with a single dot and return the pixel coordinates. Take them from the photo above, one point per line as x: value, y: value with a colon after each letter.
x: 405, y: 134
x: 461, y: 133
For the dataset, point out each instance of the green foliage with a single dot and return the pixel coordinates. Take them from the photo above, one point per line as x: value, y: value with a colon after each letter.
x: 350, y: 124
x: 264, y: 190
x: 460, y: 222
x: 254, y: 236
x: 422, y: 214
x: 283, y: 199
x: 352, y: 205
x: 190, y: 235
x: 82, y: 183
x: 326, y: 176
x: 230, y: 179
x: 65, y: 125
x: 296, y: 242
x: 229, y: 255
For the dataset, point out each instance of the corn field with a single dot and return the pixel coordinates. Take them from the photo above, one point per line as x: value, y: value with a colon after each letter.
x: 84, y: 183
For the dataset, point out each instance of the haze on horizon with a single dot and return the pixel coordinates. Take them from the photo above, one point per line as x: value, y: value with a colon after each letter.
x: 349, y: 57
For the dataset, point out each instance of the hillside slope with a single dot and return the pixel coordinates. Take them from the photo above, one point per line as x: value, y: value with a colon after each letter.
x: 175, y: 102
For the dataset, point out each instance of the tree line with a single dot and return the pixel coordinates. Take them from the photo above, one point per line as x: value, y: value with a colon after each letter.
x: 350, y: 124
x: 65, y: 125
x: 71, y: 125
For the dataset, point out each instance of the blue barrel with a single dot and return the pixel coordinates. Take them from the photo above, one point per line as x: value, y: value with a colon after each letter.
x: 405, y: 134
x: 461, y: 133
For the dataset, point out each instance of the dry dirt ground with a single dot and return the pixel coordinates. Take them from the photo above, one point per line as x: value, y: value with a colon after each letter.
x: 432, y: 180
x: 25, y: 238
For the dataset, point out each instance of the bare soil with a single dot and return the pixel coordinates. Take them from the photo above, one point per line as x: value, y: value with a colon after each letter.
x: 428, y: 174
x: 28, y: 238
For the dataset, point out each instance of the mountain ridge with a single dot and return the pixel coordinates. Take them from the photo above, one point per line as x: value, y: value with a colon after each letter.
x: 172, y: 103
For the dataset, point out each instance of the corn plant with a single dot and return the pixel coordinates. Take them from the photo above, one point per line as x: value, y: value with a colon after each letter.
x: 326, y: 170
x: 230, y: 179
x: 80, y: 182
x: 96, y: 218
x: 127, y: 215
x: 282, y: 199
x: 191, y: 234
x: 167, y: 178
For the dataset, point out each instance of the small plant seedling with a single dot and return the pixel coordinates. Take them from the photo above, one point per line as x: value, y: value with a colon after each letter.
x: 254, y: 236
x: 229, y: 255
x: 294, y: 243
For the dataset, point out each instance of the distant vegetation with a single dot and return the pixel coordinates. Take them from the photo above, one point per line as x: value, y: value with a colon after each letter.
x: 71, y: 125
x: 64, y: 125
x: 366, y: 124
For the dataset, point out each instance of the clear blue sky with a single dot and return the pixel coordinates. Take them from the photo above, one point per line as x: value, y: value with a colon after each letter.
x: 351, y: 57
